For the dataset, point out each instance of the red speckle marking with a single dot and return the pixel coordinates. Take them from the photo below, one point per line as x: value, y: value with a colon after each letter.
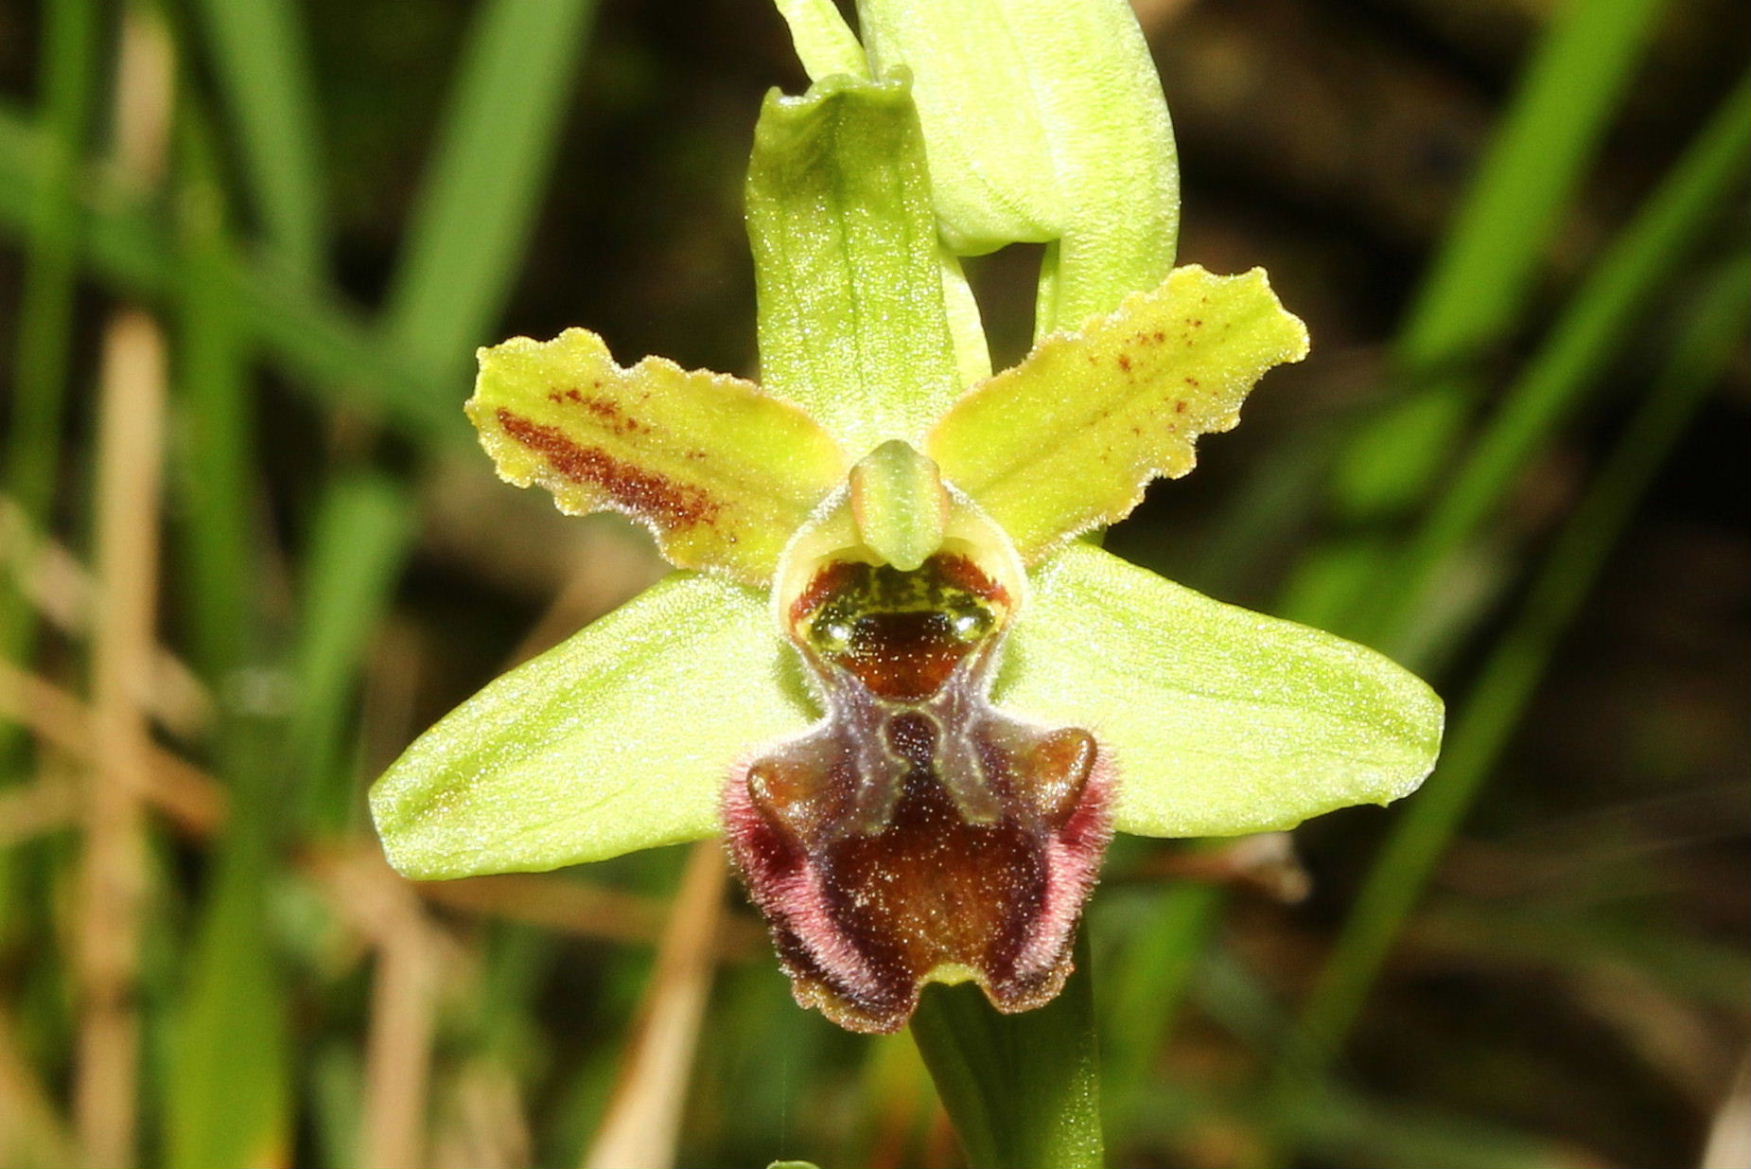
x: 644, y: 493
x: 1125, y: 362
x: 605, y: 410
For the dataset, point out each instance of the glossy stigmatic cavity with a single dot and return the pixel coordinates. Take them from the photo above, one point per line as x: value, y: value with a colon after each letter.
x: 917, y: 833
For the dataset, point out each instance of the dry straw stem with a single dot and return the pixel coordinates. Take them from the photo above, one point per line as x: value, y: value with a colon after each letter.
x: 644, y: 1115
x: 411, y: 950
x: 51, y: 803
x: 58, y: 587
x: 399, y: 1050
x: 1729, y: 1137
x: 129, y: 471
x: 593, y: 911
x: 129, y: 479
x: 194, y: 800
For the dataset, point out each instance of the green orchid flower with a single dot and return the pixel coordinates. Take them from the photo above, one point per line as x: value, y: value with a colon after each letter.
x: 885, y: 667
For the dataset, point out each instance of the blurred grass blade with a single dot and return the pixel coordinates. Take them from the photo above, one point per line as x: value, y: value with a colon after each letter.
x: 479, y: 199
x: 363, y: 529
x: 258, y: 51
x: 1339, y: 1127
x: 1512, y: 672
x: 1599, y: 323
x: 1022, y: 1090
x: 1540, y: 152
x: 1142, y: 996
x: 216, y: 446
x: 317, y: 338
x: 228, y: 1099
x: 227, y: 1102
x: 475, y: 212
x: 1548, y: 138
x: 1558, y: 116
x: 50, y: 217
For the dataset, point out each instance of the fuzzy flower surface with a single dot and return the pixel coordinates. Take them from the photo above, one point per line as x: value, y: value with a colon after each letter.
x: 885, y: 668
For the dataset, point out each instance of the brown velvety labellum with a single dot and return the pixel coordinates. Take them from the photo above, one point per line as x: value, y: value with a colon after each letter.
x: 917, y: 832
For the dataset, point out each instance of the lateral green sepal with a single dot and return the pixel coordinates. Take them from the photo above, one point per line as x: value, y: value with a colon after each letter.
x: 1220, y: 721
x: 618, y: 739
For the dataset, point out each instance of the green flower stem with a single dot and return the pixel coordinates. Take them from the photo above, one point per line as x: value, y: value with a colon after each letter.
x: 1022, y: 1090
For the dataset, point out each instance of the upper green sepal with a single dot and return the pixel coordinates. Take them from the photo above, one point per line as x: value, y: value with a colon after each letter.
x: 824, y: 42
x: 846, y: 262
x: 619, y: 739
x: 1221, y: 721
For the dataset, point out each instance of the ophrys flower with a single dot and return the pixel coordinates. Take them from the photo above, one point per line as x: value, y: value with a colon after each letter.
x: 917, y: 704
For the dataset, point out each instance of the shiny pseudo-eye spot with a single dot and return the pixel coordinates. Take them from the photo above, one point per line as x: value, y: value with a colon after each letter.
x: 917, y: 833
x: 901, y: 634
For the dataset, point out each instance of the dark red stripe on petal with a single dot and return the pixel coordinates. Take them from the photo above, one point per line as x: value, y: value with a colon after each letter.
x: 643, y: 493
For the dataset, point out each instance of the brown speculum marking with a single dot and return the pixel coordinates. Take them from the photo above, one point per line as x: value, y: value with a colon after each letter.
x: 917, y: 831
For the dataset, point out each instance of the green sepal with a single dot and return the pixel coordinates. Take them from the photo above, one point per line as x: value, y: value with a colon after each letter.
x: 1220, y: 721
x: 1068, y: 439
x: 618, y: 739
x: 721, y: 472
x: 1044, y: 121
x: 852, y: 323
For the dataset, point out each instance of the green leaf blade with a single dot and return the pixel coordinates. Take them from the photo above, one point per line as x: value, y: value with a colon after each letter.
x: 721, y: 472
x: 619, y: 739
x: 1221, y: 721
x: 478, y: 202
x: 1067, y: 440
x: 847, y: 265
x: 261, y: 59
